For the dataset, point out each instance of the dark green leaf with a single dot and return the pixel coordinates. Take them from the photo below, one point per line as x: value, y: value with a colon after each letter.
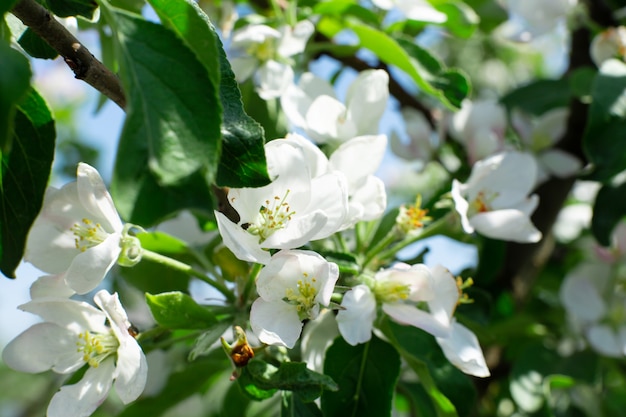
x: 608, y: 210
x: 425, y: 358
x: 25, y: 172
x: 173, y: 104
x: 538, y: 97
x: 604, y: 140
x: 243, y: 154
x: 260, y: 380
x: 14, y: 83
x: 6, y: 5
x: 366, y: 375
x: 176, y: 310
x: 35, y: 46
x: 66, y: 8
x: 292, y: 405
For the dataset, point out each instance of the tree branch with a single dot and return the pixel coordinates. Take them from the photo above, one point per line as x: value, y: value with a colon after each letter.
x: 84, y: 65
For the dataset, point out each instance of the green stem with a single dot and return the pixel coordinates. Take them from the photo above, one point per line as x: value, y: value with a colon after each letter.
x: 254, y: 272
x: 386, y: 241
x: 433, y: 229
x: 357, y: 392
x: 183, y: 267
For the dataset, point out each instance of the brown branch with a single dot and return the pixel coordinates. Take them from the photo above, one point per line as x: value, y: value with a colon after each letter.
x: 84, y: 65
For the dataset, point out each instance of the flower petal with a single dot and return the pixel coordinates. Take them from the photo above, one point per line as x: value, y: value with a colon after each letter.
x: 82, y: 398
x: 71, y: 314
x: 241, y: 243
x: 605, y: 340
x: 42, y: 347
x: 349, y: 157
x: 317, y: 336
x: 412, y: 316
x: 509, y: 224
x: 293, y: 40
x: 461, y: 348
x: 90, y: 267
x: 356, y: 321
x: 581, y: 291
x: 275, y: 323
x: 560, y: 163
x: 272, y: 79
x: 326, y: 118
x: 366, y: 101
x: 50, y: 286
x: 95, y: 198
x: 443, y: 304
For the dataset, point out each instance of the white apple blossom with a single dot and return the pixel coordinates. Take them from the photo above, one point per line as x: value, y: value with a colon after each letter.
x: 313, y: 106
x: 594, y: 300
x: 610, y: 43
x: 494, y: 201
x: 479, y: 126
x: 304, y: 202
x: 292, y: 287
x: 402, y: 291
x: 529, y: 19
x: 420, y: 10
x: 74, y: 334
x: 539, y: 137
x: 266, y: 52
x: 79, y: 233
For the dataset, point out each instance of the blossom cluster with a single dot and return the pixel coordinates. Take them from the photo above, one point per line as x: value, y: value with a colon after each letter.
x: 77, y: 238
x: 324, y: 186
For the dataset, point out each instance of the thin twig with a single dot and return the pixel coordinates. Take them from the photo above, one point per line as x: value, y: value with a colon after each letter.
x: 84, y: 65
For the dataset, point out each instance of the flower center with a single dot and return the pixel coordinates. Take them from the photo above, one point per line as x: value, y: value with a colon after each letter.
x: 263, y: 51
x: 391, y: 292
x: 303, y: 298
x: 273, y: 216
x: 412, y: 217
x: 96, y: 347
x: 482, y: 203
x: 88, y: 234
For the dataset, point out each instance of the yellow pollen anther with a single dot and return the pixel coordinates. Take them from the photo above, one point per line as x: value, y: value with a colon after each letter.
x: 463, y: 285
x: 88, y: 234
x: 96, y: 347
x: 390, y: 291
x: 412, y: 217
x: 303, y: 298
x: 273, y: 216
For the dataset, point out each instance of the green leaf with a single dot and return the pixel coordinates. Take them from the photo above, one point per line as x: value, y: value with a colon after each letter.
x: 608, y: 210
x: 14, y: 84
x: 462, y: 19
x: 243, y: 154
x: 25, y: 172
x: 449, y: 87
x: 292, y: 405
x: 6, y: 5
x: 343, y: 8
x: 194, y: 378
x: 35, y: 46
x: 604, y: 140
x: 205, y: 343
x: 176, y: 310
x: 366, y: 375
x: 173, y: 104
x: 162, y: 243
x: 425, y: 358
x: 261, y: 380
x: 540, y: 96
x: 66, y: 8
